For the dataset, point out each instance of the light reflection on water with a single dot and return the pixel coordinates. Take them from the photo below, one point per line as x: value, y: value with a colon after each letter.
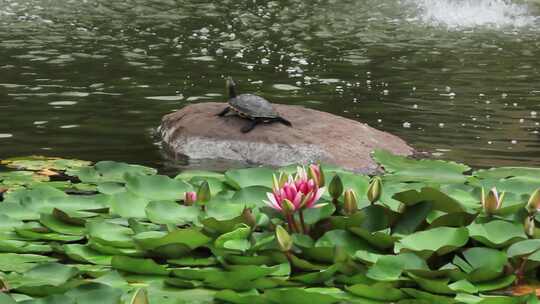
x: 91, y: 79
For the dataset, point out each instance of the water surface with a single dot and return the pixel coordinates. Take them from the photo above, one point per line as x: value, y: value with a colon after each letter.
x: 91, y: 79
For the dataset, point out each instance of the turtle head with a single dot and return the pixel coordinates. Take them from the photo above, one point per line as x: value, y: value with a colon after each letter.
x: 231, y: 87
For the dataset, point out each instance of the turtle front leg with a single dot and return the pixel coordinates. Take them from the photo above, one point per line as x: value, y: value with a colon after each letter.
x: 250, y: 126
x: 225, y: 111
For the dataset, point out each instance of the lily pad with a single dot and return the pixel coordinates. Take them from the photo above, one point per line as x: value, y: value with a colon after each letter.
x: 497, y: 233
x: 83, y: 253
x: 169, y: 212
x: 243, y: 178
x: 378, y: 291
x: 344, y: 239
x: 523, y: 248
x: 409, y: 170
x: 136, y: 265
x: 441, y: 240
x: 110, y: 234
x: 157, y: 187
x: 110, y: 171
x: 484, y: 264
x: 191, y: 238
x: 128, y: 205
x: 21, y: 262
x: 389, y: 268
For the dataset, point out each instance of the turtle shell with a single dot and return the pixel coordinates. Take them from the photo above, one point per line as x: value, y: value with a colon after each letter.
x: 253, y: 106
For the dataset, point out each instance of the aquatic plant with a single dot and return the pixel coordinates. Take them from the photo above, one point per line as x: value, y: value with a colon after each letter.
x: 110, y: 232
x: 292, y: 195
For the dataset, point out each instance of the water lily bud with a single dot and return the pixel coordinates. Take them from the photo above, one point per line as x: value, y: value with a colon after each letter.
x: 4, y: 286
x: 336, y: 187
x: 248, y: 217
x: 529, y: 226
x: 491, y: 201
x: 284, y: 239
x: 278, y: 182
x: 316, y: 173
x: 287, y: 207
x: 190, y: 198
x: 374, y: 191
x: 350, y: 204
x: 203, y: 194
x: 140, y: 297
x: 534, y: 202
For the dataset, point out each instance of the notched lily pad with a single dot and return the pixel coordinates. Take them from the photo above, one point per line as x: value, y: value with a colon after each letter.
x: 440, y: 240
x: 497, y: 233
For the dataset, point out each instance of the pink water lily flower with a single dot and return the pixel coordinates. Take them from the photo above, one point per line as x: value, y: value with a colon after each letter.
x: 190, y: 197
x: 301, y: 192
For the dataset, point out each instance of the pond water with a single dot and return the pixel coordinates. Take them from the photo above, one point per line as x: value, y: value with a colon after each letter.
x: 91, y: 79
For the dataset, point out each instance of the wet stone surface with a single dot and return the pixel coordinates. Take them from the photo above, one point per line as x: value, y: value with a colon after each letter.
x: 196, y: 132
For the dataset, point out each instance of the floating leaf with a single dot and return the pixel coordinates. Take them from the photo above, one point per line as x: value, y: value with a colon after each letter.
x: 497, y: 233
x: 110, y: 234
x: 318, y: 277
x: 463, y: 286
x: 18, y: 212
x: 83, y: 253
x: 55, y: 225
x: 425, y: 170
x: 157, y: 187
x: 179, y: 241
x: 439, y: 200
x: 435, y: 285
x: 110, y: 171
x: 235, y: 239
x: 21, y: 262
x: 111, y: 187
x: 390, y: 267
x: 136, y: 265
x: 483, y: 264
x: 412, y: 218
x: 243, y: 178
x: 441, y: 240
x: 247, y: 297
x: 523, y: 248
x: 344, y: 239
x: 48, y: 274
x: 129, y: 205
x: 495, y: 284
x: 428, y: 297
x: 378, y: 291
x: 95, y: 292
x: 16, y: 246
x: 169, y: 212
x: 252, y: 196
x: 36, y: 163
x: 378, y: 239
x: 299, y: 295
x: 314, y: 215
x: 187, y: 175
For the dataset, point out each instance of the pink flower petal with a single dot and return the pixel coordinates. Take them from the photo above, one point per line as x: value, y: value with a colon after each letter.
x: 297, y: 200
x: 271, y: 205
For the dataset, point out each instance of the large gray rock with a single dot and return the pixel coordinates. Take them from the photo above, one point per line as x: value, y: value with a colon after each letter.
x: 196, y: 132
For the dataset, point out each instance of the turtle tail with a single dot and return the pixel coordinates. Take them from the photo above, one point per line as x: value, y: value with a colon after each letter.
x: 231, y: 87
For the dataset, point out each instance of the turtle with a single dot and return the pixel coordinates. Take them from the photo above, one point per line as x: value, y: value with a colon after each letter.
x: 252, y: 107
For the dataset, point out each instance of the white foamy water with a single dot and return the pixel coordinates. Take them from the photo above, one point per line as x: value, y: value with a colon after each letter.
x: 475, y: 13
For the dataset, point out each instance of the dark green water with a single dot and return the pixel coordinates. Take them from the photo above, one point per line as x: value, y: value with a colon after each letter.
x: 92, y: 79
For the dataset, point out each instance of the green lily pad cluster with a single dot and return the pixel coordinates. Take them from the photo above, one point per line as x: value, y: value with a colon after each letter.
x: 112, y: 232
